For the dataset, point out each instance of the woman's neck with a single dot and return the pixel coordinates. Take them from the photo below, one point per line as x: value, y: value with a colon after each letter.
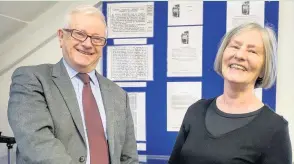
x: 238, y: 99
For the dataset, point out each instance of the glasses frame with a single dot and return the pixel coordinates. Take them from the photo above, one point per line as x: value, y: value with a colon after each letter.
x: 88, y: 36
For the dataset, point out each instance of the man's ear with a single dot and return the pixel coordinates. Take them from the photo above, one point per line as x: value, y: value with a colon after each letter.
x: 60, y: 37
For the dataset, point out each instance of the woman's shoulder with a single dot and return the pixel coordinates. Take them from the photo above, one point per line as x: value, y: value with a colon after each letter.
x: 197, y: 110
x: 273, y: 119
x: 200, y: 105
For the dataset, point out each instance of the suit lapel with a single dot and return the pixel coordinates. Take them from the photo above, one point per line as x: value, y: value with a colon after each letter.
x: 63, y: 83
x: 108, y: 102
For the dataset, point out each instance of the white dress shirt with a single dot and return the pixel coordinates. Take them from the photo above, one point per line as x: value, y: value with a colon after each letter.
x: 78, y: 87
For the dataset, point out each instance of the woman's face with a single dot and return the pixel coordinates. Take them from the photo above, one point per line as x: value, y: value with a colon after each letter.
x: 243, y: 58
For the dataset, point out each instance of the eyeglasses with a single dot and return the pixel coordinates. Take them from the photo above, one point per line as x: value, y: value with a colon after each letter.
x: 82, y: 36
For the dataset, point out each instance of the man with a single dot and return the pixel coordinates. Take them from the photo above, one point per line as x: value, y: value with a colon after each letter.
x: 67, y: 113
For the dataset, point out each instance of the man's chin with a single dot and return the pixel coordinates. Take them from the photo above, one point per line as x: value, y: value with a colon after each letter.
x: 84, y: 68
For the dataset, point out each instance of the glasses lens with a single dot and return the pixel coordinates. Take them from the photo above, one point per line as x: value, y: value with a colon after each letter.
x: 98, y: 41
x: 79, y: 35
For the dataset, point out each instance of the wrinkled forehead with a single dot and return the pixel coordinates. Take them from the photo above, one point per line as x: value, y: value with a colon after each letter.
x: 250, y: 37
x: 90, y: 23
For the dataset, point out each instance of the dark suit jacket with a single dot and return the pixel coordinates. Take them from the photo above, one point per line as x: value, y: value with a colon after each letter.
x: 44, y: 115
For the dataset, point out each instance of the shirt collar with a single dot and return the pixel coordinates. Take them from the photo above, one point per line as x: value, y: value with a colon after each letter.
x: 72, y: 73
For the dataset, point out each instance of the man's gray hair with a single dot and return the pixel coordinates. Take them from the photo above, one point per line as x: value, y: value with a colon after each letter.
x: 87, y: 10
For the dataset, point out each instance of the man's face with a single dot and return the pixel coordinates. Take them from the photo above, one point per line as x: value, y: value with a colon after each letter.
x: 82, y: 56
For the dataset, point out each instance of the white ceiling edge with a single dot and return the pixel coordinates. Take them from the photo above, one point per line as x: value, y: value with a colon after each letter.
x: 59, y: 9
x: 36, y: 32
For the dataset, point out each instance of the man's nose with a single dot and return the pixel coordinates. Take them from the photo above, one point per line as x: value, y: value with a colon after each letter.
x: 87, y: 43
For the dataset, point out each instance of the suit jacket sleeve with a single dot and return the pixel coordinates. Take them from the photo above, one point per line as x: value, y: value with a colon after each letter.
x: 30, y: 120
x: 129, y: 153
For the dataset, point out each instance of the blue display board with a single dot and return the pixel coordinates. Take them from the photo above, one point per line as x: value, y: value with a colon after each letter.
x: 159, y: 141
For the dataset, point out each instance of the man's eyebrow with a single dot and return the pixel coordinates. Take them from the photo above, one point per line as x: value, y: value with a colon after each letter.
x: 95, y: 34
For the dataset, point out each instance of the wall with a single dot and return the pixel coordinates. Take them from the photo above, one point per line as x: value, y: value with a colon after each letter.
x: 39, y: 43
x: 285, y: 79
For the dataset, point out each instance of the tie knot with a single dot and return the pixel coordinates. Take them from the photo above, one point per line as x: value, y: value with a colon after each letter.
x: 84, y: 77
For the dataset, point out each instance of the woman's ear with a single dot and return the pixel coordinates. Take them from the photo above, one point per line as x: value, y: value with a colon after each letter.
x: 262, y: 72
x: 261, y: 75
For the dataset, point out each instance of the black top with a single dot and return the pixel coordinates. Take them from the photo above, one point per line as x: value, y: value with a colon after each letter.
x: 218, y: 123
x: 264, y: 140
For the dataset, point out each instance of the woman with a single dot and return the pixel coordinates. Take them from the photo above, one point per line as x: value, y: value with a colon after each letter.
x: 236, y: 127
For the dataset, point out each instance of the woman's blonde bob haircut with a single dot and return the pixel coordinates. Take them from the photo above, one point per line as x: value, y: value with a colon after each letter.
x: 268, y: 35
